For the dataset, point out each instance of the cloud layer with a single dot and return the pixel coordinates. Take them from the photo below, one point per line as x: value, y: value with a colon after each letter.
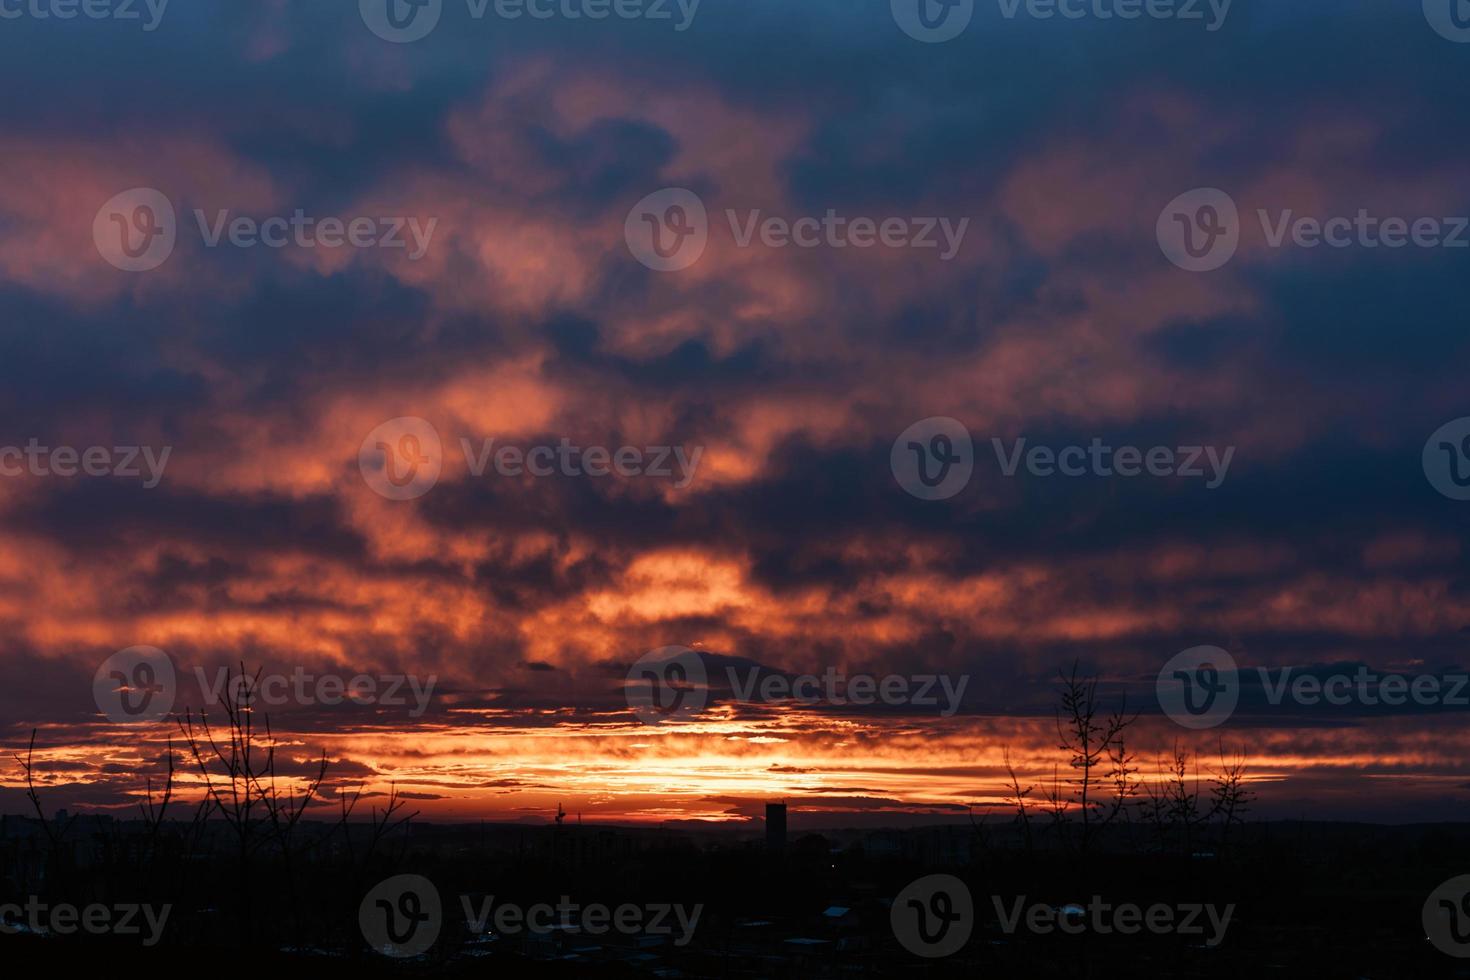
x: 792, y: 370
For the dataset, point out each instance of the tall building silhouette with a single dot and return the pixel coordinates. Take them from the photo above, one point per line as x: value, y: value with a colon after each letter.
x: 776, y: 827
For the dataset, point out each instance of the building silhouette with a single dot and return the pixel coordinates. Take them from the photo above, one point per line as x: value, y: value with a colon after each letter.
x: 776, y: 828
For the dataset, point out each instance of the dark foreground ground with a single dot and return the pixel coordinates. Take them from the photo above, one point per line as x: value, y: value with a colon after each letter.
x: 1308, y: 900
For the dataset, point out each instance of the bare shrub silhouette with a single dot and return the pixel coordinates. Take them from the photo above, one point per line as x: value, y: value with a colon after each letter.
x: 1230, y: 797
x: 1102, y: 783
x: 263, y: 809
x: 53, y: 861
x: 1097, y: 754
x: 1017, y: 799
x: 1180, y: 807
x: 53, y: 836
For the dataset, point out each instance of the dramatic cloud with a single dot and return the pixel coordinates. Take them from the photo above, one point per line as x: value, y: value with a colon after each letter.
x: 779, y: 375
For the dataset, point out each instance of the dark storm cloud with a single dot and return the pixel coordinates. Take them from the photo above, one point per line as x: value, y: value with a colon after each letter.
x: 1326, y: 544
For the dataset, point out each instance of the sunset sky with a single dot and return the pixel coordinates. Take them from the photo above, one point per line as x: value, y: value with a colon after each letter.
x: 528, y: 319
